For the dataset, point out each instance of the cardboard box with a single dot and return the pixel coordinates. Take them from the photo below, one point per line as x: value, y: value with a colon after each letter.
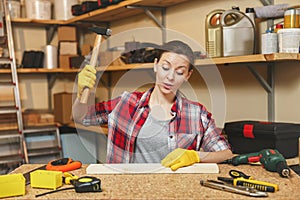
x: 65, y: 61
x: 37, y: 118
x: 109, y: 58
x: 63, y: 107
x: 85, y: 49
x: 68, y: 48
x: 66, y: 33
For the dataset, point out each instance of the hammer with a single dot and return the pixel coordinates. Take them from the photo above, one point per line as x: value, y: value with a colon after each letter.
x: 96, y: 48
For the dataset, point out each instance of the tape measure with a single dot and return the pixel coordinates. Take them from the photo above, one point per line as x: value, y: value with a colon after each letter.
x: 87, y: 184
x: 81, y: 185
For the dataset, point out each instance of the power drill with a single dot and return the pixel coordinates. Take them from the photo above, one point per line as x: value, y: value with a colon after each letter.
x: 270, y: 159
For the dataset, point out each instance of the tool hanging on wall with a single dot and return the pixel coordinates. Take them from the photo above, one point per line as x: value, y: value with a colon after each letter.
x: 93, y: 62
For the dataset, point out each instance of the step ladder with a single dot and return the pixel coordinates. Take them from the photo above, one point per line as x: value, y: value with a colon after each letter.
x: 11, y: 137
x: 17, y: 136
x: 42, y: 143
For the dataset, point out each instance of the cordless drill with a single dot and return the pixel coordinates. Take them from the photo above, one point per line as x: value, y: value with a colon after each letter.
x: 270, y: 159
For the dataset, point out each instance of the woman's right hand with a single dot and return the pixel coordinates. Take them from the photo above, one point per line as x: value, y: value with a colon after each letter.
x: 86, y: 78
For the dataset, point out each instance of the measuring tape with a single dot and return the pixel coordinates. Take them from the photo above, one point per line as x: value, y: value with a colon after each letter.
x: 81, y: 185
x: 87, y: 184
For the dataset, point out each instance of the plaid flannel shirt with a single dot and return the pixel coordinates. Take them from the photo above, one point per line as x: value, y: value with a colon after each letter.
x: 191, y: 128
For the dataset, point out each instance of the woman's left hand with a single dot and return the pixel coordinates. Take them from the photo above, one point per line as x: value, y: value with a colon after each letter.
x: 180, y: 158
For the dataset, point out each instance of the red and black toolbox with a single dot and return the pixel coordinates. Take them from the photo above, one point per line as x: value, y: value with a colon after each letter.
x: 253, y: 136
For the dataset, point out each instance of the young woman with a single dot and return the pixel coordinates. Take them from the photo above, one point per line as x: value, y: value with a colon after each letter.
x: 158, y: 125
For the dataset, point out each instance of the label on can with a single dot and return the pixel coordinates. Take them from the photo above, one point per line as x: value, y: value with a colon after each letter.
x: 289, y: 40
x: 292, y: 18
x: 269, y: 43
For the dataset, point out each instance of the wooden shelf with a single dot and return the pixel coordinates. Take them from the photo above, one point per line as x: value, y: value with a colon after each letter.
x: 200, y: 62
x: 37, y: 22
x: 39, y: 70
x: 249, y: 59
x: 103, y: 129
x: 108, y: 14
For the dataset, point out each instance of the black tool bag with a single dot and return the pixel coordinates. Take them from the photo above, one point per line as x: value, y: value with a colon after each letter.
x: 253, y: 136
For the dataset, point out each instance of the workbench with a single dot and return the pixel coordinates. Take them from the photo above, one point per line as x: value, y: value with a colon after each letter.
x: 167, y: 186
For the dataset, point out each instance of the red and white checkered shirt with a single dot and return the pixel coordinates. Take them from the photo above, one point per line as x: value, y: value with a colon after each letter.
x: 191, y: 128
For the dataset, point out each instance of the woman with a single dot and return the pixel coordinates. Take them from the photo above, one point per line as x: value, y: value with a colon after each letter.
x: 158, y: 125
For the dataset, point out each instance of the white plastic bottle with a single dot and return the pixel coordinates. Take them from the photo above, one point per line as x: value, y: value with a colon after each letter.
x: 238, y: 33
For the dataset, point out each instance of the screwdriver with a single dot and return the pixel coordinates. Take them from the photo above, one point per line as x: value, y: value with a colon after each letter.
x: 259, y: 185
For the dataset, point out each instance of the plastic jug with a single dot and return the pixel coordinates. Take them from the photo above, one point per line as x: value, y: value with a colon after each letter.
x: 213, y: 33
x: 238, y: 33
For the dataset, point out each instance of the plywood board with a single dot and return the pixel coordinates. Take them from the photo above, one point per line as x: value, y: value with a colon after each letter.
x: 150, y: 168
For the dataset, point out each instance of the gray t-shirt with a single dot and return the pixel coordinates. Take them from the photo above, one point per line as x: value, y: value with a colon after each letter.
x: 152, y: 141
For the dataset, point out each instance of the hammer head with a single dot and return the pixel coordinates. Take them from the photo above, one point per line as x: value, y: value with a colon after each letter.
x: 100, y: 30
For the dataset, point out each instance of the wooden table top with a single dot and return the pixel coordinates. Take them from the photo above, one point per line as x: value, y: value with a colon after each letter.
x: 167, y: 186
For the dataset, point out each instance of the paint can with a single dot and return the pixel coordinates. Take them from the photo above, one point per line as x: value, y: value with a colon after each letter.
x: 288, y: 40
x: 269, y: 43
x: 292, y: 18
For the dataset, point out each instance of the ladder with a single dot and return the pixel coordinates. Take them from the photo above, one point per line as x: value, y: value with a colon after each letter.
x: 12, y: 137
x: 21, y: 150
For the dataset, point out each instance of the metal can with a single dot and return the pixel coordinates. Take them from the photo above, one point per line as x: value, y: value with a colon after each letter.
x: 269, y: 43
x: 292, y: 18
x: 289, y: 39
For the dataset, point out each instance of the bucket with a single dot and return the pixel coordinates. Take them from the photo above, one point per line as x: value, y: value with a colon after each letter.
x: 50, y: 59
x: 289, y: 40
x: 38, y: 9
x: 14, y: 7
x: 62, y: 9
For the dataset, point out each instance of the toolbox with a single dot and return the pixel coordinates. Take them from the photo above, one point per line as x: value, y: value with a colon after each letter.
x: 252, y: 136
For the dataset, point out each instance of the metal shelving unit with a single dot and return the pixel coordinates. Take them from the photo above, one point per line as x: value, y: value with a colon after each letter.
x: 13, y: 139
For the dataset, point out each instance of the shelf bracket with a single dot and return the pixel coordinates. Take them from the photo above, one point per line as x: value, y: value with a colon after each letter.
x: 270, y: 22
x: 160, y: 23
x: 51, y: 78
x: 50, y: 31
x: 267, y: 2
x: 107, y: 84
x: 268, y: 85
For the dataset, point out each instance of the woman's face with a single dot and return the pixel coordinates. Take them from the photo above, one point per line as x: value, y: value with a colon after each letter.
x: 171, y: 71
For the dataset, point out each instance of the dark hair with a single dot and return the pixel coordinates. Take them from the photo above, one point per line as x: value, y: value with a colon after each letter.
x: 179, y: 47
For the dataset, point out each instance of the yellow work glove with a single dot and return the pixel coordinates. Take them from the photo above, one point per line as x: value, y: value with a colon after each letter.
x: 86, y: 78
x: 180, y: 158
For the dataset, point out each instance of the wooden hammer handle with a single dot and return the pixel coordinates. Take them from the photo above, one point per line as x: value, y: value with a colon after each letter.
x: 86, y: 91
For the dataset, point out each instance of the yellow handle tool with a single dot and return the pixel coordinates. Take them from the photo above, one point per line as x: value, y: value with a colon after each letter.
x: 69, y: 178
x: 259, y: 185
